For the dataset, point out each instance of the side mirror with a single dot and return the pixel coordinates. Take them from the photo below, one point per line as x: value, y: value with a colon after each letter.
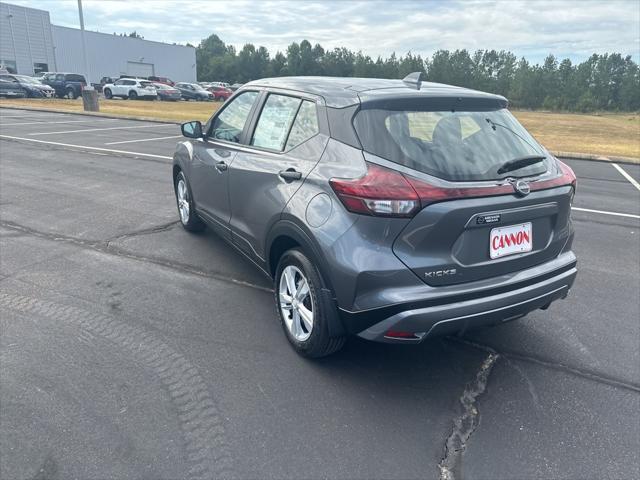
x: 192, y: 129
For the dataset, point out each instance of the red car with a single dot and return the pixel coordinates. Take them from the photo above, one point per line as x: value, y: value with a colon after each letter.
x: 220, y: 93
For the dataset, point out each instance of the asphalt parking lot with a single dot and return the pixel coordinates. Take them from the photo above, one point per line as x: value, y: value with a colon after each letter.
x: 132, y: 349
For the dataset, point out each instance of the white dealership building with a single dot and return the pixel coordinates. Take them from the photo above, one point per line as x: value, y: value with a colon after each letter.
x: 30, y: 44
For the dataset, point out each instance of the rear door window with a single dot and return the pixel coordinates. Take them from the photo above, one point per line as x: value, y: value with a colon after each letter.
x: 305, y: 125
x: 229, y: 124
x: 275, y: 121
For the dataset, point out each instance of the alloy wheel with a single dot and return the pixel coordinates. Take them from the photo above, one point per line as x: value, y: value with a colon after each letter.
x: 296, y: 303
x: 183, y: 201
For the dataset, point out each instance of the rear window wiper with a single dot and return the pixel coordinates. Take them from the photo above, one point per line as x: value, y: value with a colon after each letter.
x: 520, y: 162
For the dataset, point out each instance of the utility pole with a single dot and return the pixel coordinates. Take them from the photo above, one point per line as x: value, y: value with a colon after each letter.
x: 84, y: 43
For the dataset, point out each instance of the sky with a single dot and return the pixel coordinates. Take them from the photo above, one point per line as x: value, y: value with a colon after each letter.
x: 566, y: 28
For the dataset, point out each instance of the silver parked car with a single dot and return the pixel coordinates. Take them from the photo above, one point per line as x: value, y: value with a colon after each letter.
x: 394, y: 210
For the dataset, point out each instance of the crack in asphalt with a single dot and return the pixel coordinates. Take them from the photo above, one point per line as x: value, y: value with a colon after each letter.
x: 105, y: 247
x: 583, y: 373
x: 145, y: 231
x: 465, y: 425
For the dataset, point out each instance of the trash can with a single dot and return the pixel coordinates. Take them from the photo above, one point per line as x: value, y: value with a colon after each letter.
x: 90, y: 99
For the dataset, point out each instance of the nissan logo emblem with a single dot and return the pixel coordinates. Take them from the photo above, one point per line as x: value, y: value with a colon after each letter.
x: 521, y: 187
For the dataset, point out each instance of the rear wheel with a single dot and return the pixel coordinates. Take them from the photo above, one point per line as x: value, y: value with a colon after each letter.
x: 133, y: 95
x: 186, y: 208
x: 70, y: 93
x: 303, y: 311
x: 107, y: 93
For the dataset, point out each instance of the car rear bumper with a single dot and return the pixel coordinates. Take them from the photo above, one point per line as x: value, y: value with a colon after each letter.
x: 437, y: 316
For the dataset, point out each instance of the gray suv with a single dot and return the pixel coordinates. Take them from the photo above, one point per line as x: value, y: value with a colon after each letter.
x: 394, y: 210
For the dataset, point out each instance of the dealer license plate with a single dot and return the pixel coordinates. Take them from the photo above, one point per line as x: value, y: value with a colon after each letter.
x: 510, y: 240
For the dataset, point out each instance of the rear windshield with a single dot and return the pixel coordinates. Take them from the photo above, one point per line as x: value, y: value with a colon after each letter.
x: 452, y: 145
x: 146, y: 84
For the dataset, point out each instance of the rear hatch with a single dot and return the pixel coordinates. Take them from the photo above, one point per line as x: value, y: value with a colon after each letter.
x: 492, y: 201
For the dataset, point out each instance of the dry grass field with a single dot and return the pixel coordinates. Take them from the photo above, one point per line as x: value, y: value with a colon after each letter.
x: 616, y: 135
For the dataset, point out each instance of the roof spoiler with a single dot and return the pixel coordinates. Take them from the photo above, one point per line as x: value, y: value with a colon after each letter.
x: 413, y: 80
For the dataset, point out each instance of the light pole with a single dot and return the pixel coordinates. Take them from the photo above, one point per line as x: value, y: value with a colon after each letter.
x: 84, y: 43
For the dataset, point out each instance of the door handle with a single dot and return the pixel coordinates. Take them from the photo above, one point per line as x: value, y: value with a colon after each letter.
x: 289, y: 175
x: 221, y: 166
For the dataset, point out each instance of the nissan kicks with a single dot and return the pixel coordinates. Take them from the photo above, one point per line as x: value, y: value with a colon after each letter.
x: 394, y: 210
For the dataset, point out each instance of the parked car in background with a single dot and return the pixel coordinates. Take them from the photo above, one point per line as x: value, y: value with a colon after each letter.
x: 219, y: 84
x: 219, y: 93
x: 167, y: 93
x: 32, y: 87
x: 132, y: 88
x: 11, y: 89
x: 165, y: 80
x: 193, y: 91
x: 66, y: 85
x: 235, y: 86
x: 103, y: 81
x: 395, y: 210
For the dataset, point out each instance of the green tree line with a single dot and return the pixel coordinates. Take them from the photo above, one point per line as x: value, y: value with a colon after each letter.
x: 601, y: 82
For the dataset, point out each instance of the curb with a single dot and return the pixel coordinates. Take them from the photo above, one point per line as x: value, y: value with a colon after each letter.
x: 565, y: 155
x: 595, y: 158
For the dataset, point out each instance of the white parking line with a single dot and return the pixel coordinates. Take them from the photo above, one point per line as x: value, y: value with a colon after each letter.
x: 629, y: 215
x: 143, y: 140
x: 107, y: 128
x: 44, y: 122
x: 85, y: 147
x: 626, y: 175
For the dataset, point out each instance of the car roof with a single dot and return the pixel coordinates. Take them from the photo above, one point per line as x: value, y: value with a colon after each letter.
x: 340, y: 92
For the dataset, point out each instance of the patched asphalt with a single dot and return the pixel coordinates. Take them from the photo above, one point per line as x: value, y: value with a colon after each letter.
x: 132, y: 349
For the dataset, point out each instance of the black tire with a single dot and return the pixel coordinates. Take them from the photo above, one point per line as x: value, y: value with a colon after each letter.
x: 319, y: 344
x: 71, y: 93
x: 107, y: 93
x: 193, y: 222
x: 133, y: 95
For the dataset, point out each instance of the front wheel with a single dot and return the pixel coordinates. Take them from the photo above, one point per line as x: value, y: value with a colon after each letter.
x: 304, y: 312
x: 186, y: 208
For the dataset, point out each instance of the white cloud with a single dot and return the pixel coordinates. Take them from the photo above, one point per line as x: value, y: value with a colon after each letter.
x: 566, y: 28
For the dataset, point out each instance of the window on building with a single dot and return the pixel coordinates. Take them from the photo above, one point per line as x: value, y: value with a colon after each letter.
x: 40, y: 67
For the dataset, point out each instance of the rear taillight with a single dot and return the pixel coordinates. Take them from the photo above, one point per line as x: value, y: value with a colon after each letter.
x: 567, y: 178
x: 381, y: 192
x: 388, y: 193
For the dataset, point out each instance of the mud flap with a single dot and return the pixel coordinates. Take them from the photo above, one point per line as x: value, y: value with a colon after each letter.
x: 334, y: 323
